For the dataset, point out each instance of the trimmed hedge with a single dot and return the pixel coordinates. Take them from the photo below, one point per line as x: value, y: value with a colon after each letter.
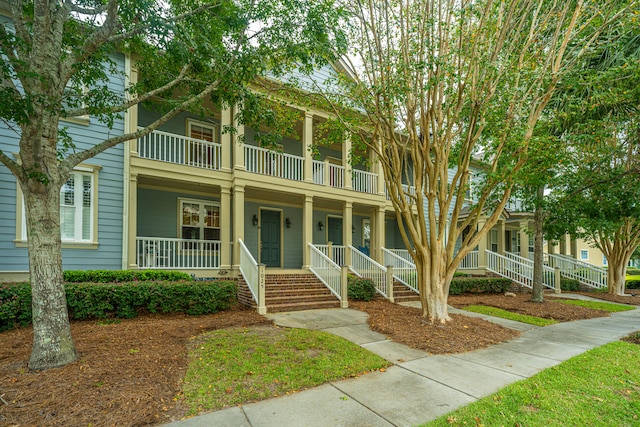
x: 494, y: 285
x: 122, y: 300
x: 122, y: 276
x: 570, y: 285
x: 360, y: 289
x: 632, y: 284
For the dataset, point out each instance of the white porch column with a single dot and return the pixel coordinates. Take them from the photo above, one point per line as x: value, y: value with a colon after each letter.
x: 226, y: 139
x: 482, y: 246
x: 346, y: 151
x: 377, y: 233
x: 501, y: 237
x: 307, y: 230
x: 376, y: 168
x: 524, y: 240
x: 225, y: 228
x: 307, y: 142
x: 347, y: 234
x: 133, y: 221
x: 238, y: 222
x: 238, y: 143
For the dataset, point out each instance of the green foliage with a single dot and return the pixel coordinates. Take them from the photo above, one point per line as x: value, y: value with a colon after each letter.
x: 633, y: 271
x: 460, y: 274
x: 633, y: 284
x: 122, y: 300
x: 119, y: 276
x: 15, y: 305
x: 360, y: 289
x: 504, y: 314
x: 569, y: 285
x: 479, y: 284
x: 598, y: 305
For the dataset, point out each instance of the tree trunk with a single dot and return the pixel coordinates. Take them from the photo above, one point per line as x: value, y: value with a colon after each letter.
x: 617, y: 271
x: 434, y: 289
x: 52, y: 342
x: 538, y: 254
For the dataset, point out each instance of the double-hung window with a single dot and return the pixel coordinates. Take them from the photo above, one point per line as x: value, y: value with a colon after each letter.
x: 199, y: 220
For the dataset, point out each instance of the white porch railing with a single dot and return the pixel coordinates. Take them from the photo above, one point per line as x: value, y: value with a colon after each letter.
x: 327, y: 271
x: 404, y: 271
x: 470, y: 261
x: 318, y: 172
x: 518, y: 269
x: 336, y: 255
x: 251, y: 273
x: 180, y: 149
x: 585, y: 273
x: 364, y: 266
x: 336, y: 176
x: 267, y: 162
x: 407, y: 190
x: 364, y: 182
x: 402, y: 253
x: 159, y: 252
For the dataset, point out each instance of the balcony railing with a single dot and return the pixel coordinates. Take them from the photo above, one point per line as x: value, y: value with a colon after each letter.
x: 179, y: 149
x: 272, y: 163
x: 159, y: 252
x: 365, y: 182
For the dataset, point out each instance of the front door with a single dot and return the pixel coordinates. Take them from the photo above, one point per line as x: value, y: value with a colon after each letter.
x: 270, y: 238
x: 334, y: 230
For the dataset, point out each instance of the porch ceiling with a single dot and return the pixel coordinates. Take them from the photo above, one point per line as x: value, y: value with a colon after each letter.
x: 178, y: 186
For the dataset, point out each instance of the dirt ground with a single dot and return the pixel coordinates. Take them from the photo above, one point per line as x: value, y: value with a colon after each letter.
x: 129, y: 371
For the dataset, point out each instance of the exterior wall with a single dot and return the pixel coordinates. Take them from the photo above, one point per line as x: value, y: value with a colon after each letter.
x: 108, y: 254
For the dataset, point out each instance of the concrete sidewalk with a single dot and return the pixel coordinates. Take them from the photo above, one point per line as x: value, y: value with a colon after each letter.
x: 419, y: 387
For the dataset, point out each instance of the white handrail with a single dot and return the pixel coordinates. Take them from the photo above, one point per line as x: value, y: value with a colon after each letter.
x: 368, y: 268
x: 364, y: 182
x: 168, y: 253
x: 180, y: 149
x: 336, y: 176
x: 404, y: 271
x: 268, y: 162
x: 402, y: 253
x: 318, y: 172
x: 585, y: 273
x: 336, y: 255
x: 518, y: 269
x: 327, y: 271
x: 470, y: 261
x: 249, y: 270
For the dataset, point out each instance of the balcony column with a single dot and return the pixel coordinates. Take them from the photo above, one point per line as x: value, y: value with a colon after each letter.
x: 327, y: 173
x: 307, y: 143
x: 346, y: 155
x: 482, y: 246
x: 377, y: 233
x: 225, y: 228
x: 376, y: 167
x: 238, y: 143
x: 238, y: 222
x: 133, y: 221
x: 347, y: 234
x: 307, y: 230
x: 226, y: 139
x: 501, y: 236
x: 524, y: 241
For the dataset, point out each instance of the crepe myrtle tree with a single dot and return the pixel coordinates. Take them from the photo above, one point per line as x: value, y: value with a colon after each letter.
x: 57, y: 61
x: 441, y: 87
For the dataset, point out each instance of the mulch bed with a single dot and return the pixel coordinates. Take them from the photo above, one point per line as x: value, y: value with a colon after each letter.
x: 128, y: 374
x: 406, y: 325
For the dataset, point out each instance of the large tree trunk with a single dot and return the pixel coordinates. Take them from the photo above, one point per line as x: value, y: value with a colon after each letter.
x: 538, y: 254
x: 617, y: 271
x: 52, y: 342
x: 433, y: 286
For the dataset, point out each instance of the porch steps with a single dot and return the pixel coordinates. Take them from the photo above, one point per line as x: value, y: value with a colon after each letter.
x: 295, y: 292
x: 401, y: 293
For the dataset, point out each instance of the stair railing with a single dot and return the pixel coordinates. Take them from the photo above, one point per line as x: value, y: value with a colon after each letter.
x: 404, y: 271
x: 518, y: 269
x: 585, y: 273
x: 253, y: 273
x: 328, y: 272
x: 366, y: 267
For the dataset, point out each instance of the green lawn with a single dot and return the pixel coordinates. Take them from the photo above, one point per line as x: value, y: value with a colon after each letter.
x: 598, y: 388
x: 606, y: 306
x: 498, y: 312
x: 229, y: 367
x: 632, y: 277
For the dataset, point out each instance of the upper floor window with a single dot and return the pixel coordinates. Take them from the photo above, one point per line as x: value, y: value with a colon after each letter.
x: 199, y: 151
x: 584, y: 255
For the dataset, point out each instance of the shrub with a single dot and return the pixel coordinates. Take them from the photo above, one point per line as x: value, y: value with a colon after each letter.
x: 479, y: 284
x: 120, y: 276
x: 570, y: 285
x: 122, y: 300
x: 460, y: 274
x: 633, y: 271
x: 360, y: 289
x: 633, y: 284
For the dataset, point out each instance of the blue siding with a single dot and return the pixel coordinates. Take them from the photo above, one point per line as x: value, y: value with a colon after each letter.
x: 110, y: 195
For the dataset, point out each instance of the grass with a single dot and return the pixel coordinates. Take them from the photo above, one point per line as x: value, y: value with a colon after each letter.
x: 606, y: 306
x: 632, y: 277
x: 598, y: 388
x: 233, y: 366
x: 498, y: 312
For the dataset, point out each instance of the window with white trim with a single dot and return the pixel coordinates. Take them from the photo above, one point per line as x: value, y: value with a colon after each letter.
x: 604, y: 261
x: 200, y: 152
x: 584, y: 254
x: 199, y: 220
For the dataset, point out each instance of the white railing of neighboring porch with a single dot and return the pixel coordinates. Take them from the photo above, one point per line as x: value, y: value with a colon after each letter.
x: 585, y: 273
x: 337, y: 252
x: 403, y: 270
x: 364, y: 182
x: 180, y: 149
x: 402, y: 253
x: 268, y: 162
x: 160, y: 252
x: 406, y: 189
x: 253, y: 275
x: 470, y: 261
x: 366, y: 267
x: 518, y: 269
x: 327, y: 271
x: 336, y: 176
